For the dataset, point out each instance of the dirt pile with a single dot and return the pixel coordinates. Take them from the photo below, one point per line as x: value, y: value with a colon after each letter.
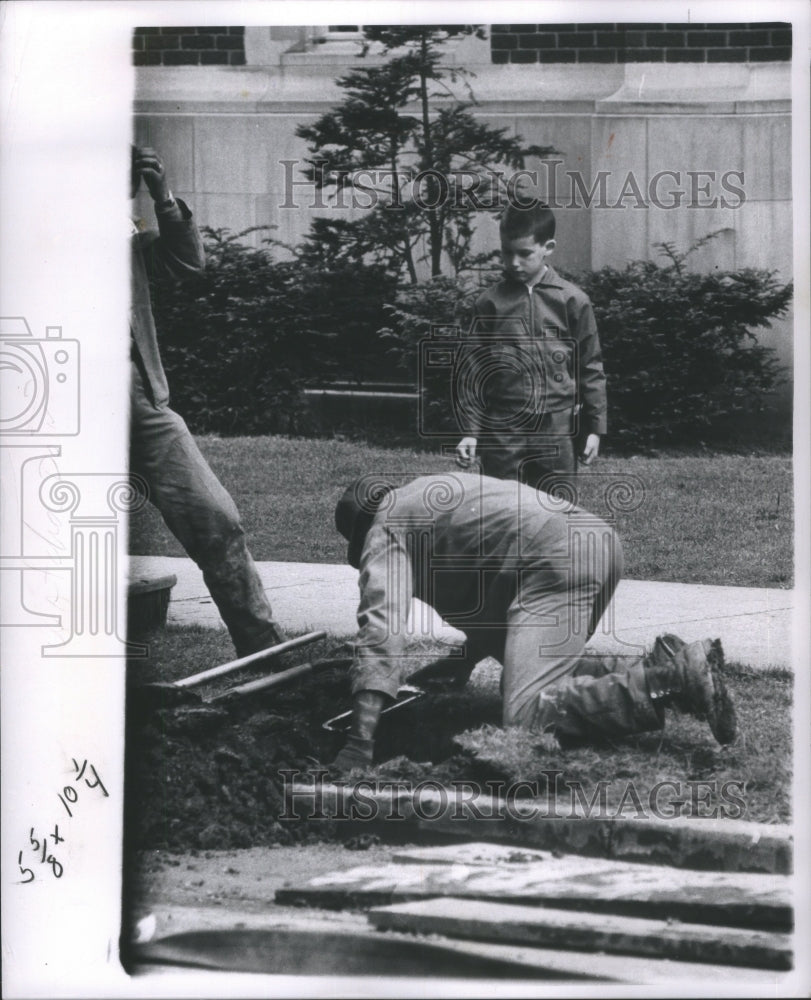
x: 212, y: 777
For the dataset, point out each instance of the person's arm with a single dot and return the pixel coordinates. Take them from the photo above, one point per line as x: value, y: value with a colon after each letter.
x: 470, y: 419
x: 591, y: 382
x: 177, y: 247
x: 386, y: 591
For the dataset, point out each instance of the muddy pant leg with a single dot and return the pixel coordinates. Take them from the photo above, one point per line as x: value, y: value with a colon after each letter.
x: 594, y: 709
x: 600, y: 664
x: 578, y: 563
x: 202, y: 516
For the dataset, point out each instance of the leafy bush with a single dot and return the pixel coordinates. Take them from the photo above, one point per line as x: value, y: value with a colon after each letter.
x: 418, y: 309
x: 679, y: 351
x: 230, y: 346
x: 241, y: 340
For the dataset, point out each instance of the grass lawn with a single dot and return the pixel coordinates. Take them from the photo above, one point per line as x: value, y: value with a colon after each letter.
x: 714, y: 519
x: 192, y: 784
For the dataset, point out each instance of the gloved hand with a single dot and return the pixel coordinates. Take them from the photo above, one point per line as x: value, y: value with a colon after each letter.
x: 357, y: 753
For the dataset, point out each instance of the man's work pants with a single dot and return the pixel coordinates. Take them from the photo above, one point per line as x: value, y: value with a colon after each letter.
x: 201, y: 515
x: 557, y: 607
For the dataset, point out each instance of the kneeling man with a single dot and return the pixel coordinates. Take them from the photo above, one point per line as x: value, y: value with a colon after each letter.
x: 527, y: 578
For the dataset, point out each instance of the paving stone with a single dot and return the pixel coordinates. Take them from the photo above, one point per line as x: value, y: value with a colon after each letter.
x: 599, y: 932
x: 583, y: 884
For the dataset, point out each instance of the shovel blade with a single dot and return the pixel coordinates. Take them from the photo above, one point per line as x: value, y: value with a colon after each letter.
x: 157, y: 696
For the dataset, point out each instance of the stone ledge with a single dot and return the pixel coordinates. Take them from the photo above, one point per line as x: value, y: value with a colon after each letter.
x: 702, y: 844
x: 640, y: 87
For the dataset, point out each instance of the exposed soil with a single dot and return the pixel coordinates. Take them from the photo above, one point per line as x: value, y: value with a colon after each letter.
x: 208, y: 835
x: 209, y: 778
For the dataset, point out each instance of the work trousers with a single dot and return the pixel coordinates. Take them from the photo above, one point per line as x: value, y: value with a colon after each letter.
x: 548, y: 686
x: 201, y: 515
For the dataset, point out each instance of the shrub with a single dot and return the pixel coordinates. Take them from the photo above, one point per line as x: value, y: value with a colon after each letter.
x: 241, y: 340
x: 679, y: 350
x: 413, y: 316
x: 230, y: 347
x: 678, y: 347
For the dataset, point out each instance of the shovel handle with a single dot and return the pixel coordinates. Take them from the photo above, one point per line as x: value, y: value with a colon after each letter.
x: 281, y: 679
x: 244, y: 661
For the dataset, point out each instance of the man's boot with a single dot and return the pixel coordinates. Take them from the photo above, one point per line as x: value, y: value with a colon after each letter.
x: 664, y: 650
x: 687, y: 677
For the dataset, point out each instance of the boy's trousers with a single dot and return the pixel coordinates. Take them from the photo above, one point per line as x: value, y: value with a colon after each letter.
x: 547, y: 449
x: 201, y: 515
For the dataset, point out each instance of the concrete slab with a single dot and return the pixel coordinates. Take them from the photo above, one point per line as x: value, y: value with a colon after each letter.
x: 755, y: 624
x: 699, y: 843
x: 520, y: 962
x: 747, y: 901
x: 550, y: 927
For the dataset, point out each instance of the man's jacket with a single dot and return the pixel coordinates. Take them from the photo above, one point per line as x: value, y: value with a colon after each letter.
x: 177, y: 249
x: 460, y: 543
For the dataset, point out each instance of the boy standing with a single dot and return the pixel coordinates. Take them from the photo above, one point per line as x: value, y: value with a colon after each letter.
x: 531, y: 382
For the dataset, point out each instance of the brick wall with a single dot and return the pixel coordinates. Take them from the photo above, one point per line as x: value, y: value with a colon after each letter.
x: 612, y: 43
x: 189, y: 47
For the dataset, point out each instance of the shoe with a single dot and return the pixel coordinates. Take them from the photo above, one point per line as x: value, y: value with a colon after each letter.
x: 356, y: 755
x: 689, y: 679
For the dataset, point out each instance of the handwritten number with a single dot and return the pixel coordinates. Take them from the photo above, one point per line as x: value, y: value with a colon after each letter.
x: 25, y: 881
x: 98, y: 781
x: 71, y: 795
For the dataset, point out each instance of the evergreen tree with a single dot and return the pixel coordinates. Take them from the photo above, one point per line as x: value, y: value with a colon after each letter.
x: 403, y: 140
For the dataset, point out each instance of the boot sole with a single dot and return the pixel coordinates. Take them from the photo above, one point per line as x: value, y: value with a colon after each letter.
x: 721, y: 717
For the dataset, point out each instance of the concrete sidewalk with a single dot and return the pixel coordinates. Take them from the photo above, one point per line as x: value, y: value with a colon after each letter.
x: 754, y: 624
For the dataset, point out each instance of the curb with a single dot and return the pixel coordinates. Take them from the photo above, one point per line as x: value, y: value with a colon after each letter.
x: 727, y: 845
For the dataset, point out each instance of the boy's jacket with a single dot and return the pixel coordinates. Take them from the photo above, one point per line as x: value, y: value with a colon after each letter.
x: 534, y: 351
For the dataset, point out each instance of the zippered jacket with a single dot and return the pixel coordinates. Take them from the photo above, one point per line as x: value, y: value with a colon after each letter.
x: 532, y: 351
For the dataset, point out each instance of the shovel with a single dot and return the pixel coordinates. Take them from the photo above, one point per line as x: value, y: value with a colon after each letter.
x: 406, y: 694
x: 173, y: 694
